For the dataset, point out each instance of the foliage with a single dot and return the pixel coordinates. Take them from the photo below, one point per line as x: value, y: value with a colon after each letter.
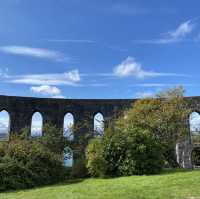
x: 96, y: 163
x: 196, y: 157
x: 128, y: 152
x: 79, y: 169
x: 28, y: 162
x: 53, y: 139
x: 137, y: 142
x: 164, y: 116
x: 195, y: 139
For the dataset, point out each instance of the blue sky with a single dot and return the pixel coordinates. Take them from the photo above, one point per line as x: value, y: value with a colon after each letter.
x: 98, y: 49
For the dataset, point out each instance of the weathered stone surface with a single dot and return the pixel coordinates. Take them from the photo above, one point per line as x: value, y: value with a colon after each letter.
x: 53, y: 111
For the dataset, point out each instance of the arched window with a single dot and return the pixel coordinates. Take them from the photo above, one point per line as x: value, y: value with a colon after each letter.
x: 195, y: 127
x: 98, y: 124
x: 4, y: 125
x: 68, y: 157
x: 36, y: 125
x: 68, y: 126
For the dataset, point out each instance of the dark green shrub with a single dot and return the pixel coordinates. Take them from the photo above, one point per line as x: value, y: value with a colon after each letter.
x: 79, y: 169
x: 14, y: 175
x: 128, y: 152
x: 196, y: 157
x: 26, y: 163
x: 95, y: 161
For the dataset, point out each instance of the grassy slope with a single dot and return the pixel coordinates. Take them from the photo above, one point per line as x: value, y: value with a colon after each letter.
x: 179, y: 185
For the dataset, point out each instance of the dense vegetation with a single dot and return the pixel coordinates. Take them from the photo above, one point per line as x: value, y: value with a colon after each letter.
x: 143, y: 138
x: 28, y: 162
x: 176, y: 185
x: 128, y: 152
x: 142, y: 141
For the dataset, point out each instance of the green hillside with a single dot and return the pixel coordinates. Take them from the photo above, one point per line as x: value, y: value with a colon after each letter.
x: 179, y: 185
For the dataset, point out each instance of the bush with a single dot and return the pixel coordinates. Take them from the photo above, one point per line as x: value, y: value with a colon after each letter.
x: 196, y: 157
x: 95, y: 161
x: 79, y: 169
x: 122, y: 153
x: 26, y: 163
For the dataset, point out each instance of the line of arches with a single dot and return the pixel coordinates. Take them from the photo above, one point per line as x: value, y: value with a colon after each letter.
x: 98, y: 127
x: 36, y: 129
x: 37, y: 124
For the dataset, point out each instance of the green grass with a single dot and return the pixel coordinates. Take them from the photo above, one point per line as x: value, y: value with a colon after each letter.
x: 178, y: 185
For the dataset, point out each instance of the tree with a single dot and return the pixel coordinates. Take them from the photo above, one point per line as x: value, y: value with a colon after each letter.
x: 165, y: 116
x: 132, y: 151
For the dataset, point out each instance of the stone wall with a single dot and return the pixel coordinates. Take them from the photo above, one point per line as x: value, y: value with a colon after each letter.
x: 53, y: 111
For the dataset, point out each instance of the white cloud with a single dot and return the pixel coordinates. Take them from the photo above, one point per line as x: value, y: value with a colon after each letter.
x: 34, y: 52
x: 46, y: 90
x: 73, y: 75
x: 174, y: 36
x: 69, y: 78
x: 130, y: 67
x: 145, y: 94
x: 182, y: 30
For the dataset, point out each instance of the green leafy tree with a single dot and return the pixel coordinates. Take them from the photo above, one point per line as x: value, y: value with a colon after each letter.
x: 165, y: 116
x: 146, y: 134
x: 121, y: 153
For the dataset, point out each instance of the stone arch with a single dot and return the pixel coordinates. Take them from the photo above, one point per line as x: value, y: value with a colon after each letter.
x: 98, y: 123
x: 68, y: 157
x: 68, y: 126
x: 36, y: 124
x: 4, y: 125
x: 194, y: 122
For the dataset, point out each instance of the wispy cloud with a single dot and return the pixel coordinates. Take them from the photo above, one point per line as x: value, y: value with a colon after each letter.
x: 159, y: 85
x: 145, y: 94
x: 183, y: 29
x: 34, y: 52
x: 130, y: 67
x: 87, y: 41
x: 174, y: 36
x: 71, y: 78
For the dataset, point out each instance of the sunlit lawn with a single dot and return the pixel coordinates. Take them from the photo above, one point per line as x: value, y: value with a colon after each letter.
x: 179, y: 185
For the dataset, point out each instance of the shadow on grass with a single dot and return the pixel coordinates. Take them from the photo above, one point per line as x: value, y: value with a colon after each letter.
x: 76, y: 181
x: 174, y: 171
x: 58, y: 184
